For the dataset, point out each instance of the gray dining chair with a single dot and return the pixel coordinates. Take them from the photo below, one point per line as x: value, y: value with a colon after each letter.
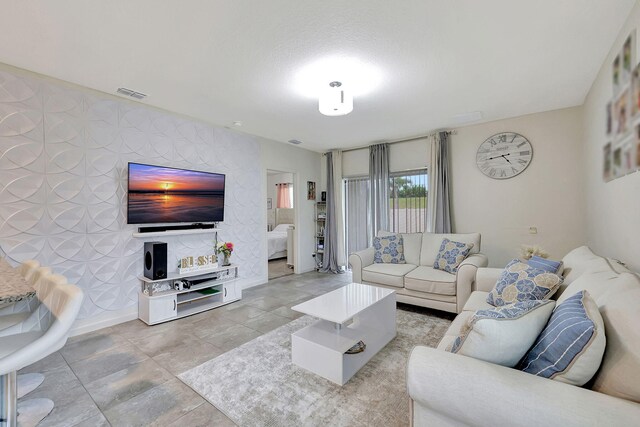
x: 44, y: 332
x: 21, y: 310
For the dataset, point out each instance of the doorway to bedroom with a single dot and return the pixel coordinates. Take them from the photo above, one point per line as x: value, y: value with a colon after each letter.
x: 281, y: 205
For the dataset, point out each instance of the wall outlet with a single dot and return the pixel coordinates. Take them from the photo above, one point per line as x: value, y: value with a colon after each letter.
x: 533, y: 230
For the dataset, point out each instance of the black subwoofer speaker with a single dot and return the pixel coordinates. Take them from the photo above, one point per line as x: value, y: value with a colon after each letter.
x: 155, y: 260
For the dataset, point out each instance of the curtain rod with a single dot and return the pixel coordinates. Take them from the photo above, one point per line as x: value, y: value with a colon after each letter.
x: 396, y: 141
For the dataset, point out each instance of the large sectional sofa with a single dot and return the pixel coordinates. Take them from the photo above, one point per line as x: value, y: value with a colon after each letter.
x: 417, y: 282
x: 448, y: 389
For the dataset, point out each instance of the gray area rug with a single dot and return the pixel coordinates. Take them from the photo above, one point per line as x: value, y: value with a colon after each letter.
x: 257, y: 385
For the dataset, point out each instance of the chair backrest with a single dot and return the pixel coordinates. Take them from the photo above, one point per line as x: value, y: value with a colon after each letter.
x: 63, y: 303
x: 28, y: 268
x: 41, y: 317
x: 28, y: 304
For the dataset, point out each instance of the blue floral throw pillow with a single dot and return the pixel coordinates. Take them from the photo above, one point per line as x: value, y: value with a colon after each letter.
x: 388, y: 250
x: 451, y: 255
x: 521, y: 282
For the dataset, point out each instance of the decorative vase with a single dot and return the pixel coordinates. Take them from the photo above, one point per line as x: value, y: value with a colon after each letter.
x: 226, y: 261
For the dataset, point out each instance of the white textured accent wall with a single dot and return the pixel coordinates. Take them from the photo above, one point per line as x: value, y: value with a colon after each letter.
x: 63, y: 180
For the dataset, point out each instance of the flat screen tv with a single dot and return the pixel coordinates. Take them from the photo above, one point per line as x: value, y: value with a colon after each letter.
x: 159, y: 194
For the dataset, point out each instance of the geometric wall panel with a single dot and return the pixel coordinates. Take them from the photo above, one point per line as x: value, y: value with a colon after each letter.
x: 63, y: 179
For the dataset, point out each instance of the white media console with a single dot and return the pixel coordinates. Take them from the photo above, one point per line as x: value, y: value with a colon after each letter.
x: 159, y: 302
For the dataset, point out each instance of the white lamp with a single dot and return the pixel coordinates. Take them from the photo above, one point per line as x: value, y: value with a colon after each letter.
x: 335, y: 100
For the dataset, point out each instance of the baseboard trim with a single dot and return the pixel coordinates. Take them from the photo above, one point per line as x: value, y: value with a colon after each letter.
x: 104, y: 320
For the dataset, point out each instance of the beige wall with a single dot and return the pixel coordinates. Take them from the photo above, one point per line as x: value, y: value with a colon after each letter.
x: 613, y: 208
x: 547, y: 195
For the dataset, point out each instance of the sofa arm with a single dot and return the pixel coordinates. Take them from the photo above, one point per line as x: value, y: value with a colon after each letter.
x: 486, y: 278
x: 473, y: 392
x: 465, y: 277
x: 360, y: 260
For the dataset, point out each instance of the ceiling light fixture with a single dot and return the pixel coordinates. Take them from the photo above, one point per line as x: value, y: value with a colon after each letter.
x: 358, y: 77
x: 295, y: 141
x: 335, y: 100
x: 237, y: 123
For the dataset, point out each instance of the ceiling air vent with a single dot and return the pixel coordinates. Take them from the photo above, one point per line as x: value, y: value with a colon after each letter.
x: 131, y: 93
x: 295, y: 141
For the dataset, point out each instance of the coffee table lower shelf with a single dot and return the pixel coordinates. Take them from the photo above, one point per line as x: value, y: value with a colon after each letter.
x: 320, y: 348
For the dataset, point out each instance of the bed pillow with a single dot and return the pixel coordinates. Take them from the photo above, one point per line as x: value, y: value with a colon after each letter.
x: 282, y: 228
x: 388, y: 250
x: 545, y: 264
x: 451, y: 255
x: 520, y: 282
x: 571, y: 346
x: 503, y: 335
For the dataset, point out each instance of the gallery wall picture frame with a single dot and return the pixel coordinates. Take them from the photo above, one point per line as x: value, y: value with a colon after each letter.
x: 311, y: 190
x: 323, y: 196
x: 607, y: 172
x: 621, y: 152
x: 269, y: 203
x: 627, y: 58
x: 636, y: 143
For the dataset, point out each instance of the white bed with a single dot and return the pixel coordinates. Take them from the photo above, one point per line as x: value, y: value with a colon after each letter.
x: 277, y: 241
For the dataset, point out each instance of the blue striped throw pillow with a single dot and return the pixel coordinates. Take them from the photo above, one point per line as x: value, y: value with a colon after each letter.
x: 544, y: 264
x: 571, y: 346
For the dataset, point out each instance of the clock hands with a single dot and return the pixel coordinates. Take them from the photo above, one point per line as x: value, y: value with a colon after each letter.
x: 502, y: 155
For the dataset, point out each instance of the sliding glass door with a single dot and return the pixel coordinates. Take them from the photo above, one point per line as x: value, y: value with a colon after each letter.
x: 407, y: 207
x: 356, y: 195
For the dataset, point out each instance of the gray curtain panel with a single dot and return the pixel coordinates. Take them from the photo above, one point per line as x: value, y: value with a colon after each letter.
x: 440, y: 184
x: 330, y: 259
x: 379, y: 186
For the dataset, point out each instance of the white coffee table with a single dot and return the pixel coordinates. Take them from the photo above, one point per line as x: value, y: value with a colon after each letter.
x: 347, y: 315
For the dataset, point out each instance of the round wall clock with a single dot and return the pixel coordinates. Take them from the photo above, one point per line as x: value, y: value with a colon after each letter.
x: 504, y: 155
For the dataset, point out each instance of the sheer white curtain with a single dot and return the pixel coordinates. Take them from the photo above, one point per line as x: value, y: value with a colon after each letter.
x: 284, y: 196
x: 356, y: 197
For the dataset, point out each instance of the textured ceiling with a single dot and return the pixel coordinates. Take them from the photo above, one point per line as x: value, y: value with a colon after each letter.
x: 222, y: 61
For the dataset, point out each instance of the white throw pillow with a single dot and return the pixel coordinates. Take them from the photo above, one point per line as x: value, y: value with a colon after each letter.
x: 503, y: 335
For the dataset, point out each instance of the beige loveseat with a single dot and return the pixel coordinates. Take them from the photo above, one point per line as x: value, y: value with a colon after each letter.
x: 449, y: 389
x: 417, y: 282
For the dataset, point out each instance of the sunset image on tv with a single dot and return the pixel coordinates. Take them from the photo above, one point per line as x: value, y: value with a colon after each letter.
x: 161, y: 195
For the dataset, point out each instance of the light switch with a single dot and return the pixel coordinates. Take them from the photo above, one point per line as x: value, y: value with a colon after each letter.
x: 533, y: 230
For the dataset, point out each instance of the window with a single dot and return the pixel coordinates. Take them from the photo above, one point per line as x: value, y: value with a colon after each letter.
x: 408, y: 201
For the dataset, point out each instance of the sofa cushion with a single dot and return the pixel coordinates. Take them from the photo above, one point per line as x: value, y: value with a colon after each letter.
x: 502, y: 335
x: 431, y: 245
x: 577, y: 262
x: 387, y: 274
x: 388, y: 249
x: 428, y: 279
x: 412, y: 245
x: 571, y: 346
x: 451, y: 255
x: 477, y: 301
x: 520, y: 282
x: 618, y: 298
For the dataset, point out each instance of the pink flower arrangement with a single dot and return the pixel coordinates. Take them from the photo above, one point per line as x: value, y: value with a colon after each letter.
x: 224, y: 248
